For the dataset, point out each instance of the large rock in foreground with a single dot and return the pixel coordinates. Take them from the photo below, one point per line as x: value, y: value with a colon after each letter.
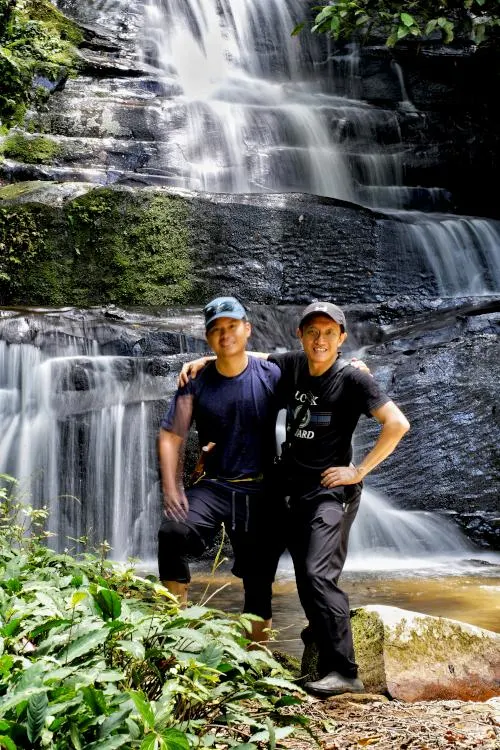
x: 415, y: 657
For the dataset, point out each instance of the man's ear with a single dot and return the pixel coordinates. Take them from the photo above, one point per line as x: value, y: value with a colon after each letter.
x: 298, y: 333
x: 248, y: 328
x: 342, y: 338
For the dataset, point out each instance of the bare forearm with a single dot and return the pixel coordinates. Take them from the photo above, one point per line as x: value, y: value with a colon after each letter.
x: 389, y: 437
x: 169, y: 455
x: 394, y: 426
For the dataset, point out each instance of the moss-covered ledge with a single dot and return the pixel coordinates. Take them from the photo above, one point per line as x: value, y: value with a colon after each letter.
x: 37, y: 43
x: 109, y: 245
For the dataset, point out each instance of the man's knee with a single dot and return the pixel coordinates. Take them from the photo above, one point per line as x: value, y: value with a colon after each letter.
x: 179, y: 538
x: 258, y: 597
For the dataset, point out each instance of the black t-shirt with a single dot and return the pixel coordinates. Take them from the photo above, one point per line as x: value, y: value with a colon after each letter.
x: 339, y: 398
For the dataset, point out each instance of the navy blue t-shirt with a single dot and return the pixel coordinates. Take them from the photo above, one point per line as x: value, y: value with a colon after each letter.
x: 237, y: 413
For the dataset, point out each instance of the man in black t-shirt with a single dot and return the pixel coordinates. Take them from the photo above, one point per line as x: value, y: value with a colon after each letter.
x: 325, y: 397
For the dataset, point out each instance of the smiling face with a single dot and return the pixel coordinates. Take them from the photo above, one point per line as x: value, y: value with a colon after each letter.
x: 228, y: 337
x: 321, y: 338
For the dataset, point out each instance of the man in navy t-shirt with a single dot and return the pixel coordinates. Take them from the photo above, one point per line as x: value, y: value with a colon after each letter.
x: 233, y: 405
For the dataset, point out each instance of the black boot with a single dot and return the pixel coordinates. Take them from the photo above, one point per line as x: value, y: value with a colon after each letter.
x: 334, y: 684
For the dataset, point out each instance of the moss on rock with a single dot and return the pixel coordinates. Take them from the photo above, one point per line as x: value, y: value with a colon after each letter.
x: 30, y: 149
x: 36, y: 39
x: 368, y: 636
x: 110, y: 245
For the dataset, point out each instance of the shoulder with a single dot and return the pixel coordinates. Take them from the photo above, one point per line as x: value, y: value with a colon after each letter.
x: 265, y: 368
x: 288, y: 360
x: 357, y: 378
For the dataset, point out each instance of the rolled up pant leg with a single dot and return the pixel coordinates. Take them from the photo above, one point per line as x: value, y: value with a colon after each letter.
x: 320, y: 532
x: 179, y: 540
x: 176, y: 543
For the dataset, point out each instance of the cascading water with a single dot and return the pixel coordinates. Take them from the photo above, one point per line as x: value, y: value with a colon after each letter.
x: 61, y: 393
x: 243, y: 108
x: 252, y: 109
x: 250, y: 121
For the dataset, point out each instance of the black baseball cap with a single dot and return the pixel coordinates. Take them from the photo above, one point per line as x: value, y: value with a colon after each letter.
x: 323, y: 308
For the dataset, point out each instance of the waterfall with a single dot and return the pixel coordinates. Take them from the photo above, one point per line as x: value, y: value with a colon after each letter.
x: 79, y: 433
x: 250, y: 121
x: 251, y: 109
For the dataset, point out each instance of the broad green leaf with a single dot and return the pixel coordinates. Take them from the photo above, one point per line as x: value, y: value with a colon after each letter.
x: 279, y: 733
x: 325, y: 13
x: 6, y: 663
x: 36, y: 713
x: 272, y: 734
x: 402, y: 32
x: 132, y: 648
x: 109, y: 602
x: 174, y: 739
x: 75, y: 737
x: 287, y: 700
x: 15, y: 699
x: 211, y: 655
x: 407, y: 19
x: 7, y: 743
x: 12, y: 627
x: 297, y: 29
x: 150, y: 742
x: 144, y: 708
x: 278, y: 682
x: 77, y: 597
x: 95, y: 700
x: 84, y: 644
x: 112, y: 743
x: 113, y: 722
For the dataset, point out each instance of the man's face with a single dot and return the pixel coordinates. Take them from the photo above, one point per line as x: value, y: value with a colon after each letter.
x: 321, y: 338
x: 228, y: 337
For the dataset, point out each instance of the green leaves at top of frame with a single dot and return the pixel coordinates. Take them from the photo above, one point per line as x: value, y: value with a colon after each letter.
x: 356, y: 19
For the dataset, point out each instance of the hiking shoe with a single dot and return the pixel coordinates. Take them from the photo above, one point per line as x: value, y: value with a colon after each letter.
x: 335, y: 684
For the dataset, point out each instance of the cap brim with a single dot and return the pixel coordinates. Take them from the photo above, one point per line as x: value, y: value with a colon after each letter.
x: 225, y: 314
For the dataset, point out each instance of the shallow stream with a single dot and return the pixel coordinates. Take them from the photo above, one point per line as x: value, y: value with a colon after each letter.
x: 465, y: 590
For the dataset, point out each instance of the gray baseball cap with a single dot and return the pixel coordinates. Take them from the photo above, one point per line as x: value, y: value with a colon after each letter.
x: 323, y: 308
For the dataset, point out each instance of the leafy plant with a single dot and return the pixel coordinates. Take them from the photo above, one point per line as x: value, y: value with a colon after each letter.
x: 36, y: 39
x: 94, y: 656
x: 474, y: 20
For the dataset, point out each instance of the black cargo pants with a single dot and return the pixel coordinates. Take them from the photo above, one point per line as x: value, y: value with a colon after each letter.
x: 320, y: 522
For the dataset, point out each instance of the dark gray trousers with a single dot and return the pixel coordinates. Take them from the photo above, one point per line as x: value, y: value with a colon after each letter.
x: 320, y: 523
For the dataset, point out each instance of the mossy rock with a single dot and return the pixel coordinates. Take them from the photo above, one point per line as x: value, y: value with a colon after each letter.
x: 107, y: 246
x: 35, y: 39
x: 31, y: 149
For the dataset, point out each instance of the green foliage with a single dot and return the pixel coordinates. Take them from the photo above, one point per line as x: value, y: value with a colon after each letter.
x: 35, y: 39
x: 109, y: 245
x: 94, y: 656
x: 30, y: 149
x: 474, y: 20
x: 129, y: 249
